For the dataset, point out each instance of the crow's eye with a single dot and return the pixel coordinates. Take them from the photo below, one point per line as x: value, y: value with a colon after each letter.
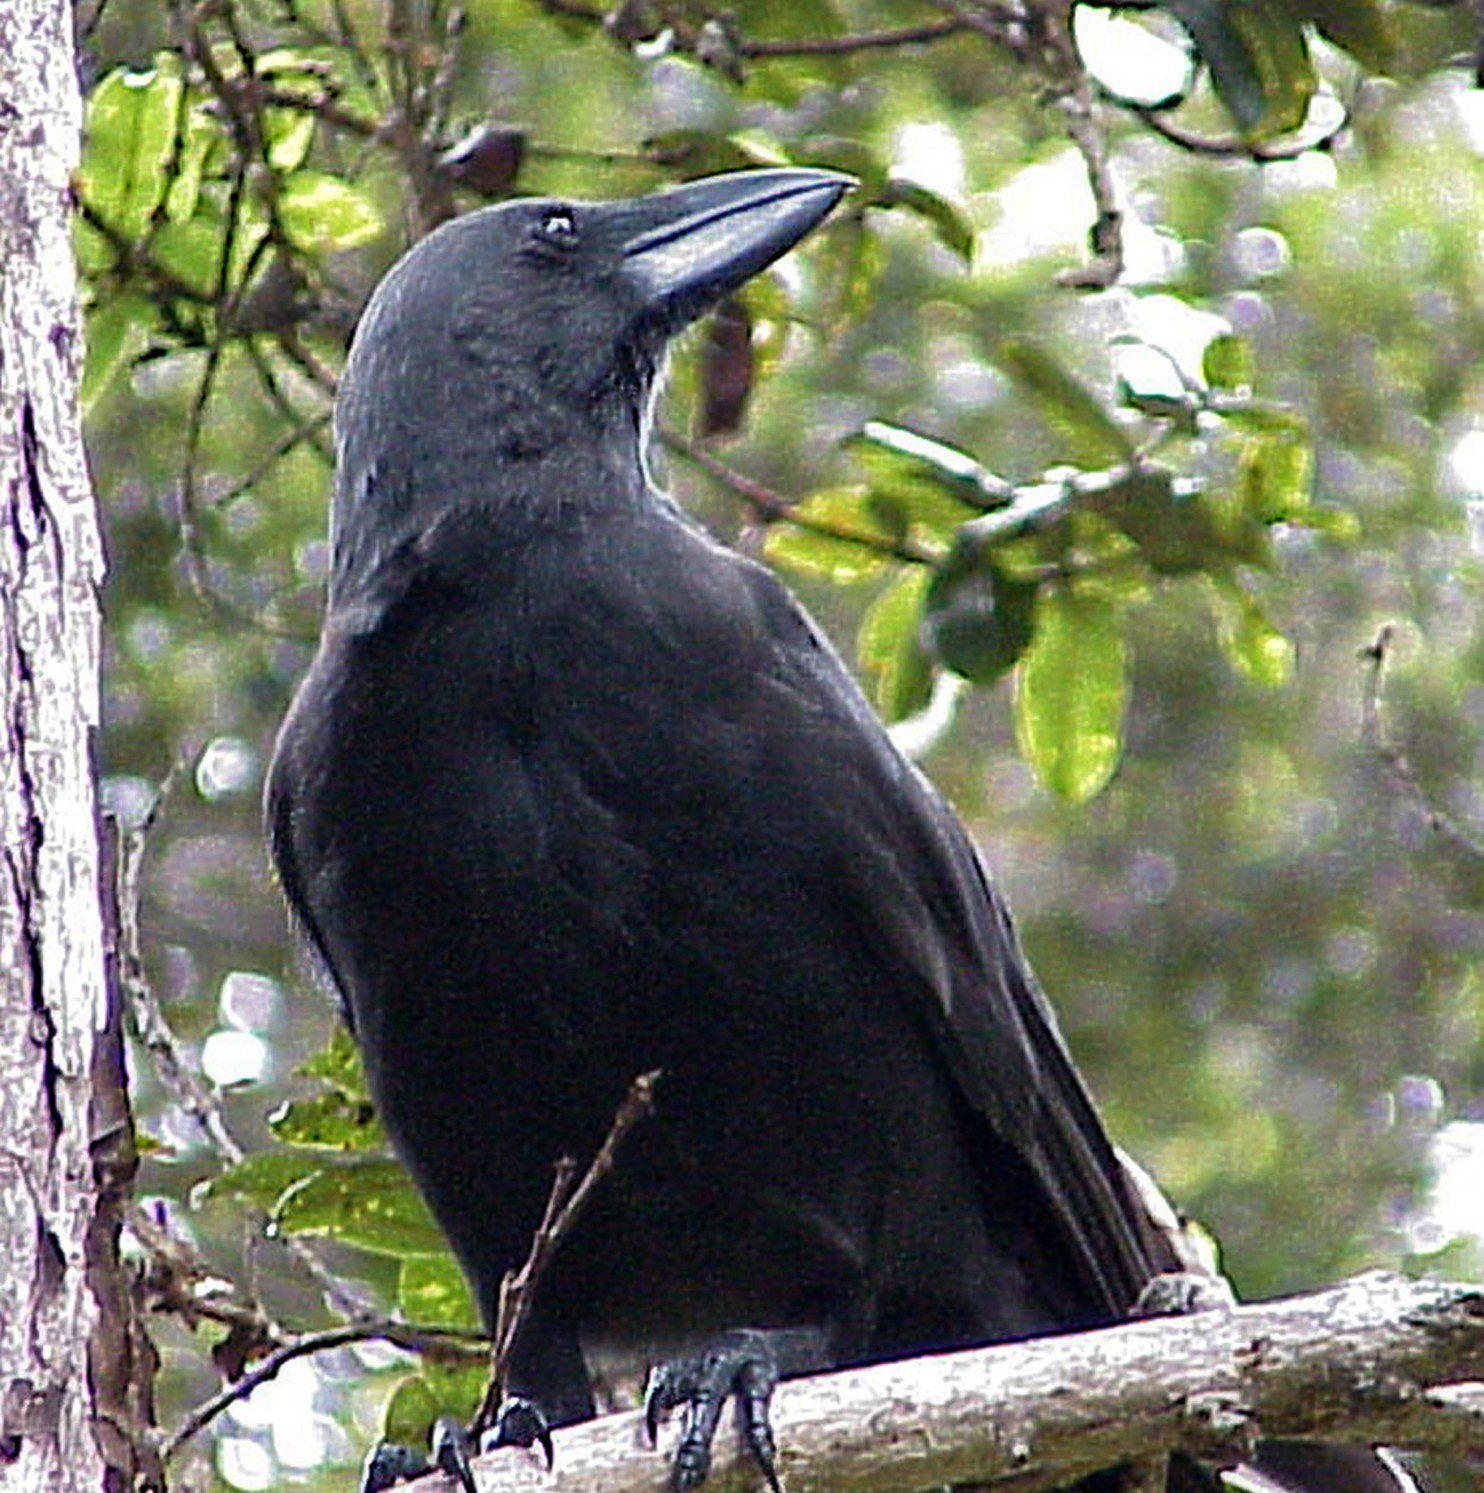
x: 557, y: 227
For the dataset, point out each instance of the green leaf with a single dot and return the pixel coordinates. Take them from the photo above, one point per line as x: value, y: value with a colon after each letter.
x: 1275, y: 478
x: 1360, y: 27
x: 328, y: 1122
x: 436, y: 1389
x: 1071, y: 692
x: 118, y: 330
x: 370, y: 1204
x: 978, y: 623
x: 323, y: 213
x: 191, y: 250
x: 948, y: 220
x: 849, y: 259
x: 1067, y: 405
x: 839, y: 560
x: 1175, y: 529
x: 933, y: 485
x: 130, y: 133
x: 1258, y: 59
x: 1228, y: 363
x: 205, y: 140
x: 289, y: 133
x: 1252, y: 643
x: 889, y: 647
x: 432, y: 1291
x: 410, y: 1413
x: 338, y: 1063
x: 260, y: 1179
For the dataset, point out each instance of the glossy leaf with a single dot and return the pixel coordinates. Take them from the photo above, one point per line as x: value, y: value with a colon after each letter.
x: 130, y: 134
x: 262, y: 1178
x: 1252, y: 643
x: 1258, y: 60
x: 890, y: 649
x: 370, y: 1204
x: 330, y: 1122
x: 979, y: 623
x: 839, y: 560
x: 118, y: 330
x: 1071, y: 692
x: 338, y: 1063
x: 432, y: 1291
x: 410, y: 1413
x: 1228, y: 363
x: 950, y: 223
x: 1068, y: 406
x: 322, y: 213
x: 1276, y: 478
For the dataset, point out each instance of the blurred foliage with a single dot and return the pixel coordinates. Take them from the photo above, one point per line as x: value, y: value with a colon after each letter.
x: 1108, y: 546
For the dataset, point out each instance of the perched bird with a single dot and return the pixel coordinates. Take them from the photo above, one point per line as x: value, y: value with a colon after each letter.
x: 572, y: 792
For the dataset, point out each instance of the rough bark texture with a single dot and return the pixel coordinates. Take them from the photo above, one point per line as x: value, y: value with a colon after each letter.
x: 53, y: 987
x: 1358, y: 1363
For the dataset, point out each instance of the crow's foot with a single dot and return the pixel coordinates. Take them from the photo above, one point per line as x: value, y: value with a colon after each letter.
x: 518, y: 1422
x: 741, y: 1364
x: 1180, y: 1293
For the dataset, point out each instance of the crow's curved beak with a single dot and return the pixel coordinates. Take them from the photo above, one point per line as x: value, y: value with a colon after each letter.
x: 687, y: 248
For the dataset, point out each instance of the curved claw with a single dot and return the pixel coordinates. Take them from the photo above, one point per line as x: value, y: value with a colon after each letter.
x: 521, y: 1422
x: 743, y: 1364
x: 452, y: 1452
x: 389, y: 1463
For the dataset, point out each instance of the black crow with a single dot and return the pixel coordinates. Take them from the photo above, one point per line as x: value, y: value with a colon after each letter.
x: 572, y: 792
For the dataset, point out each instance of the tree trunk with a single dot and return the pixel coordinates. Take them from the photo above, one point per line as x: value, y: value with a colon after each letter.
x: 65, y: 1157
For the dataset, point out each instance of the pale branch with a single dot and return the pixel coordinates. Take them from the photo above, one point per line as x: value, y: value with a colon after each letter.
x: 1377, y: 1360
x: 1398, y: 768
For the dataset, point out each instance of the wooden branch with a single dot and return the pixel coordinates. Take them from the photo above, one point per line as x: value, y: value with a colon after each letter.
x: 1379, y: 1359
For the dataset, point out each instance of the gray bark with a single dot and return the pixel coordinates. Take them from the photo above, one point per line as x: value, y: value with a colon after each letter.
x: 55, y: 1013
x: 1375, y: 1361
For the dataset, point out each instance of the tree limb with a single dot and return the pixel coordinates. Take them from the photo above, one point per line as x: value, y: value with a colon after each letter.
x: 1379, y: 1359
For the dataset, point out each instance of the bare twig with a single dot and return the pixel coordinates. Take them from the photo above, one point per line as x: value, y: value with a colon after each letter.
x: 686, y: 38
x: 564, y: 1206
x: 1228, y: 146
x: 414, y: 1339
x: 770, y: 507
x: 1374, y: 658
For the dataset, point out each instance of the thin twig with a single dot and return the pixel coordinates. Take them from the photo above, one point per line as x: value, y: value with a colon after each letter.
x: 1229, y: 146
x: 564, y: 1206
x: 289, y: 441
x: 772, y: 507
x: 1374, y: 658
x: 412, y: 1339
x: 684, y: 38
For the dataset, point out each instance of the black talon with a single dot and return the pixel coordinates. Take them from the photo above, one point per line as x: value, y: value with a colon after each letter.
x: 521, y: 1422
x: 452, y: 1452
x: 389, y: 1463
x: 742, y: 1364
x: 1181, y: 1293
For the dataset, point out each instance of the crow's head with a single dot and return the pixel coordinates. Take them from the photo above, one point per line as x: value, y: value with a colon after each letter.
x: 535, y: 325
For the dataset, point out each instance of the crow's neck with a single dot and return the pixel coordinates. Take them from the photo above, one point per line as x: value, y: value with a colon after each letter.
x: 472, y: 495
